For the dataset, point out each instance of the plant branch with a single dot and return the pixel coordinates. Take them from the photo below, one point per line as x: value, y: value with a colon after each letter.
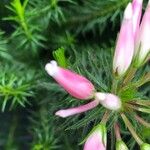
x: 105, y: 117
x: 142, y: 121
x: 144, y: 110
x: 129, y: 76
x: 131, y: 129
x: 96, y: 14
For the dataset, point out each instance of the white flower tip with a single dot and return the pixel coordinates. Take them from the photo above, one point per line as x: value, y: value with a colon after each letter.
x: 128, y: 11
x: 116, y: 105
x: 100, y: 96
x: 61, y: 113
x: 51, y: 68
x: 139, y: 1
x: 149, y: 2
x: 112, y: 102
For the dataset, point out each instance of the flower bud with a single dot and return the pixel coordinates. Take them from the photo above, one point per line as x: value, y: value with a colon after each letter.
x: 97, y: 139
x: 125, y: 44
x: 120, y: 145
x: 110, y: 101
x: 143, y: 40
x: 145, y: 146
x: 76, y: 110
x: 76, y: 85
x: 137, y: 12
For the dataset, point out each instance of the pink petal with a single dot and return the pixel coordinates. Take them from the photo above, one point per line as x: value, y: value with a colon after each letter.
x: 76, y: 110
x: 95, y: 141
x: 76, y: 85
x: 125, y: 44
x: 143, y: 43
x: 137, y: 12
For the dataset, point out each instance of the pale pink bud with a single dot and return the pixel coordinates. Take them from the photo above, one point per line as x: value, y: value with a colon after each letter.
x: 143, y: 43
x: 76, y: 110
x: 97, y: 139
x: 137, y: 12
x: 110, y: 101
x: 76, y: 85
x: 125, y: 44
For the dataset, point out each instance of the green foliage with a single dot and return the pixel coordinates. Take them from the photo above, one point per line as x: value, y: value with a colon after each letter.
x: 128, y: 94
x: 44, y: 134
x: 95, y: 16
x: 27, y: 34
x: 14, y: 89
x: 2, y: 42
x: 3, y: 47
x: 59, y: 56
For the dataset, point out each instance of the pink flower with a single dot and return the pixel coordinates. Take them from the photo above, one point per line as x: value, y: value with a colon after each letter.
x: 125, y: 44
x: 143, y: 43
x: 71, y: 111
x: 97, y: 139
x: 76, y: 85
x: 137, y: 12
x: 81, y: 88
x: 108, y: 100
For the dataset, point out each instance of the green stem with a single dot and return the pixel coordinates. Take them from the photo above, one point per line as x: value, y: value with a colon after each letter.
x: 26, y: 30
x: 115, y: 85
x: 144, y: 110
x: 142, y: 121
x: 131, y: 129
x: 10, y: 139
x: 105, y: 117
x: 112, y: 140
x: 129, y: 76
x: 143, y: 80
x: 137, y: 84
x: 140, y: 102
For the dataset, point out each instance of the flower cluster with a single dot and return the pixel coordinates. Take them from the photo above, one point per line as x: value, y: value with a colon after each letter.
x: 132, y: 51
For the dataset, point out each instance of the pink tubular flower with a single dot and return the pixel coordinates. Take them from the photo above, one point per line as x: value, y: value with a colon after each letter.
x: 143, y: 42
x: 76, y: 85
x: 109, y: 101
x: 137, y: 12
x: 125, y: 44
x: 71, y: 111
x: 97, y: 139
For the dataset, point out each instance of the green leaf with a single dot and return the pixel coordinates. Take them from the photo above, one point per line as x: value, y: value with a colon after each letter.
x: 60, y: 57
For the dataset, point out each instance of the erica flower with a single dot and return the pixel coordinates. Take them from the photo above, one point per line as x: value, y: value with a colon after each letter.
x: 143, y: 41
x: 79, y: 87
x: 97, y: 139
x: 76, y: 85
x: 109, y: 101
x: 125, y: 44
